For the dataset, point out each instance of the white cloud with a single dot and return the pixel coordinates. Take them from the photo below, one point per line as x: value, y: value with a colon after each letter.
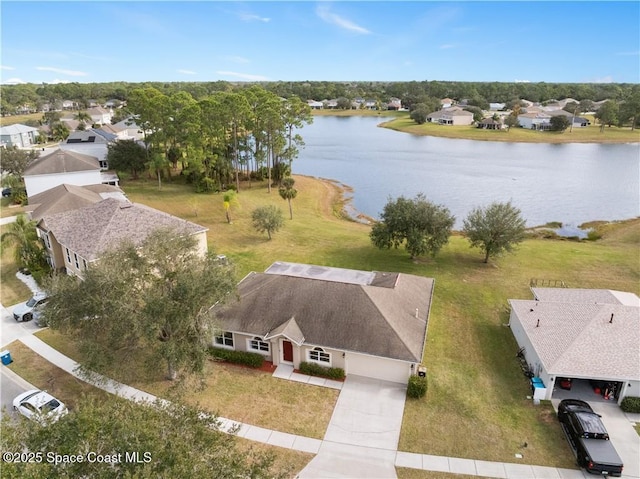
x: 604, y: 79
x: 57, y: 80
x: 243, y: 76
x: 522, y: 81
x: 323, y: 12
x: 71, y: 73
x: 13, y: 81
x: 447, y: 46
x: 187, y: 72
x: 5, y: 67
x: 251, y: 17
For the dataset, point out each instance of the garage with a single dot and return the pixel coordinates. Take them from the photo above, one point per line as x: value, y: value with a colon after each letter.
x: 377, y: 367
x: 590, y: 390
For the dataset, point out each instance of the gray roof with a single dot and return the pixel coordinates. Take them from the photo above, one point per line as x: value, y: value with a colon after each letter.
x: 70, y: 197
x: 583, y: 333
x: 92, y: 230
x: 16, y: 129
x: 62, y: 161
x: 91, y: 135
x: 381, y: 314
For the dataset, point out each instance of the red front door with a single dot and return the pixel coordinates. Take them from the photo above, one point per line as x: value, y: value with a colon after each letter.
x: 287, y: 351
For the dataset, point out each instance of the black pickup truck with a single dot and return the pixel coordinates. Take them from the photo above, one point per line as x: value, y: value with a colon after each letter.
x: 589, y: 438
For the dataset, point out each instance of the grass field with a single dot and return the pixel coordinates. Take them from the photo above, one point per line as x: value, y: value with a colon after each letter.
x: 15, y: 119
x: 476, y: 406
x: 590, y: 134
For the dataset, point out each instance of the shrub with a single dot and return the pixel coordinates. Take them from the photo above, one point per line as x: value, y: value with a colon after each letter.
x: 630, y: 404
x: 417, y: 387
x: 313, y: 369
x: 253, y: 360
x: 593, y: 235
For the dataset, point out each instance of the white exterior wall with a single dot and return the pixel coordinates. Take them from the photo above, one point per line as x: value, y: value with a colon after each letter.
x: 97, y: 150
x: 201, y: 244
x: 377, y: 367
x: 630, y: 388
x: 525, y: 122
x: 38, y: 183
x: 337, y: 361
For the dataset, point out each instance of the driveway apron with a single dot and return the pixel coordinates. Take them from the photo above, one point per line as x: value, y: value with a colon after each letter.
x: 363, y: 433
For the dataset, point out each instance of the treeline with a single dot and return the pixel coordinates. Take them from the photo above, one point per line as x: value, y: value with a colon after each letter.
x: 35, y: 95
x: 217, y: 140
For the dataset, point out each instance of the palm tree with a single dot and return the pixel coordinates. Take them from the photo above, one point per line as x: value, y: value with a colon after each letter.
x: 288, y: 192
x: 83, y: 117
x: 22, y: 235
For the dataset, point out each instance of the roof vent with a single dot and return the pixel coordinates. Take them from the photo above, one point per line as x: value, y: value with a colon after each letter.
x: 611, y: 320
x: 124, y: 205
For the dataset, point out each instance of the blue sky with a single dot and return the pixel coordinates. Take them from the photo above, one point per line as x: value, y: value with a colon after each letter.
x: 334, y: 41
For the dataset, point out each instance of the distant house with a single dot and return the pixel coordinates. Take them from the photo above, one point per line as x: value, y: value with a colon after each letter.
x: 394, y: 104
x: 128, y: 130
x: 446, y: 102
x: 330, y: 104
x: 535, y: 121
x: 370, y: 324
x: 77, y: 237
x: 496, y: 106
x: 93, y: 142
x: 451, y: 116
x: 63, y: 167
x: 113, y: 103
x: 22, y: 136
x: 315, y: 105
x: 586, y: 335
x: 100, y: 116
x: 69, y: 105
x: 490, y: 124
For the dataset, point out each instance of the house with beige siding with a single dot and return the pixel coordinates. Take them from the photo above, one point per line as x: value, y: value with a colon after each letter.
x: 371, y: 324
x: 77, y: 237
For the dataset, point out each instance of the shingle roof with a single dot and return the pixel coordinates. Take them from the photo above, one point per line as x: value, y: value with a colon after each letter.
x: 69, y: 197
x: 16, y: 129
x: 92, y: 230
x: 583, y: 333
x: 388, y: 320
x: 62, y: 161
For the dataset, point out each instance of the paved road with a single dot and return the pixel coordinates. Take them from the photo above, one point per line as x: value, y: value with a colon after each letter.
x: 10, y: 386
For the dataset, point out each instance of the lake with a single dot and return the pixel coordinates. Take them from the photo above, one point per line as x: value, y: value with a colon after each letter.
x: 572, y: 183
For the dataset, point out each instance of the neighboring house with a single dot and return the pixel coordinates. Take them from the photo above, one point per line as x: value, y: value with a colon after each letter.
x: 490, y: 124
x: 330, y: 104
x: 394, y: 104
x: 70, y: 197
x: 578, y: 122
x: 68, y: 105
x: 100, y: 116
x: 535, y: 121
x: 451, y: 116
x: 368, y: 323
x: 113, y: 103
x: 78, y: 237
x: 496, y: 106
x: 446, y: 102
x: 128, y: 130
x: 92, y: 103
x: 580, y: 334
x: 315, y: 105
x: 62, y: 167
x: 22, y: 136
x: 91, y: 141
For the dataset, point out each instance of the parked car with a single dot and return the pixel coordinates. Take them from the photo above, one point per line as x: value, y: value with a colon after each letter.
x: 6, y: 192
x: 588, y: 438
x: 39, y: 406
x: 24, y: 311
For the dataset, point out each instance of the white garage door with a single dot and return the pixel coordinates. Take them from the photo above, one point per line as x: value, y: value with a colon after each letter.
x: 378, y: 368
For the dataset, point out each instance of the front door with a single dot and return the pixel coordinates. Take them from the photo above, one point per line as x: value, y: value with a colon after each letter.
x: 287, y: 351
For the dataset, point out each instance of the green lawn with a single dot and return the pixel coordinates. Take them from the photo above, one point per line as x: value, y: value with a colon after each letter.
x: 590, y: 134
x: 12, y: 290
x: 476, y: 406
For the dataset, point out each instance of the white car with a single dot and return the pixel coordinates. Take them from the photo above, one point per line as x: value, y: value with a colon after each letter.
x: 24, y: 311
x: 39, y: 406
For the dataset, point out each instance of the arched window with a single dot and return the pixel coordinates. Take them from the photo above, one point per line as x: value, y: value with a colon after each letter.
x: 258, y: 345
x: 318, y: 355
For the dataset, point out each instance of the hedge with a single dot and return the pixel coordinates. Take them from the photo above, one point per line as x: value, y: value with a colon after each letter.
x: 630, y: 404
x: 313, y: 369
x: 253, y: 360
x: 417, y: 387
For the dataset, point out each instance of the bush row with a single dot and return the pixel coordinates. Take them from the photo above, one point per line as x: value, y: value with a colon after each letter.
x: 253, y: 360
x: 630, y: 404
x: 313, y: 369
x: 417, y: 386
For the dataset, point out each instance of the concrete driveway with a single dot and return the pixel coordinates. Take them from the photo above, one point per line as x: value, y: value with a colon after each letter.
x: 623, y: 436
x: 363, y: 434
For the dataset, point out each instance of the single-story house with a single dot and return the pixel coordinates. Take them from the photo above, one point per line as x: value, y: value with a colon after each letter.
x: 60, y: 167
x: 370, y: 324
x: 451, y: 116
x: 92, y: 141
x: 490, y: 124
x: 578, y: 122
x: 22, y: 136
x: 535, y: 121
x: 77, y: 237
x: 315, y: 105
x: 582, y: 335
x: 394, y: 104
x: 70, y: 197
x: 446, y: 103
x: 69, y: 105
